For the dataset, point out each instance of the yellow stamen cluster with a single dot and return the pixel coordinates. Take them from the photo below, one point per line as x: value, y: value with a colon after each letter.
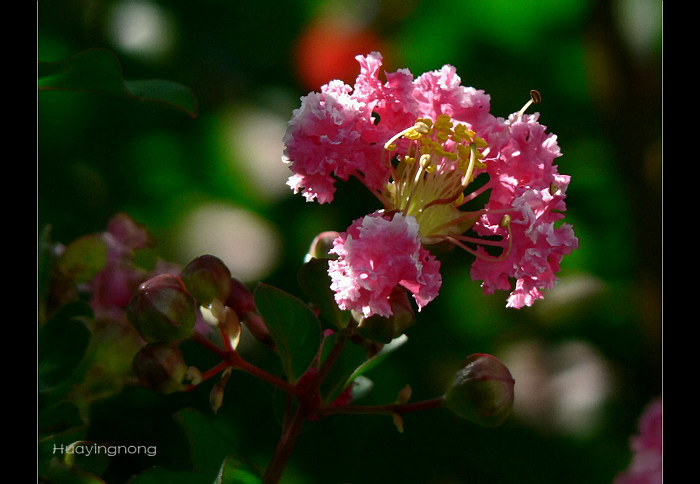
x: 430, y: 178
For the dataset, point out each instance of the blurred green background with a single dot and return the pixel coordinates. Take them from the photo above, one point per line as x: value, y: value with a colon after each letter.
x: 586, y: 360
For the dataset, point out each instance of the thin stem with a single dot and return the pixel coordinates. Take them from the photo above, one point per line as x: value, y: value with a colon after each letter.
x: 232, y: 358
x: 308, y: 406
x: 284, y: 448
x: 238, y: 362
x: 331, y: 359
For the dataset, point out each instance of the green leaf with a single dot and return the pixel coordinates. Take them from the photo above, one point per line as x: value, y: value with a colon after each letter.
x: 59, y: 472
x: 62, y: 343
x: 316, y: 283
x: 99, y: 71
x: 207, y: 445
x: 211, y: 451
x: 352, y: 357
x: 159, y: 475
x: 378, y: 358
x: 58, y: 418
x: 235, y: 471
x: 353, y: 364
x: 294, y: 328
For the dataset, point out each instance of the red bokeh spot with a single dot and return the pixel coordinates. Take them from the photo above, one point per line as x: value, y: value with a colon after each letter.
x: 327, y: 49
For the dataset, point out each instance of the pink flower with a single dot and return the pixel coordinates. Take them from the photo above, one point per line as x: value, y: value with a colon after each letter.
x: 114, y: 284
x: 647, y: 463
x: 340, y: 131
x: 525, y: 184
x: 418, y: 144
x: 318, y: 141
x: 377, y: 253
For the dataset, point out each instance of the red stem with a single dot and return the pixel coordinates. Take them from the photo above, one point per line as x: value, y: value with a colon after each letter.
x: 284, y: 448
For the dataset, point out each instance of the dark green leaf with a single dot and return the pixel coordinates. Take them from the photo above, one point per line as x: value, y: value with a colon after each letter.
x: 208, y: 447
x: 210, y: 454
x: 316, y: 283
x: 62, y: 342
x: 60, y: 473
x: 159, y: 475
x: 353, y: 363
x: 236, y: 471
x: 58, y: 418
x: 379, y: 357
x: 294, y: 328
x: 99, y: 71
x: 351, y: 358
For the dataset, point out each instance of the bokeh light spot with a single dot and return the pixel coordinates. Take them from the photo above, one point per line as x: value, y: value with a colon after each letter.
x: 246, y: 242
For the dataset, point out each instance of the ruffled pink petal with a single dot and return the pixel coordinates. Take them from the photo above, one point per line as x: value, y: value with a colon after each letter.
x: 376, y: 254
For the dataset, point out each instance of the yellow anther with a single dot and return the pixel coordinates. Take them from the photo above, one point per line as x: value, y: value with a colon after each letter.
x: 443, y: 136
x: 413, y: 133
x: 463, y: 151
x: 505, y: 221
x: 480, y: 142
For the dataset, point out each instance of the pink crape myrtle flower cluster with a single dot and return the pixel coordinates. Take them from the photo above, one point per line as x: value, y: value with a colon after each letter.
x: 419, y: 145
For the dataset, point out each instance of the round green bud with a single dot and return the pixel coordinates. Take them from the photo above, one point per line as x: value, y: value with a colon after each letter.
x: 161, y: 367
x: 162, y: 310
x: 482, y: 391
x: 207, y: 278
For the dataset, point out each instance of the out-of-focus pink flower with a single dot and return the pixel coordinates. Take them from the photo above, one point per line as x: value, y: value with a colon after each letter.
x: 377, y: 253
x: 113, y: 286
x: 647, y: 446
x: 419, y: 144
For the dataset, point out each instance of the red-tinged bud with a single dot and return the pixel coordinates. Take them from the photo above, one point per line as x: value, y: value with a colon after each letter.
x: 240, y: 299
x: 207, y: 278
x: 482, y: 391
x: 161, y: 367
x: 384, y: 330
x: 162, y: 310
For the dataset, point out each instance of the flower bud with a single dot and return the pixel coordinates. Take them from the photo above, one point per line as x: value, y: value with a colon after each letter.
x: 161, y: 367
x: 162, y: 310
x: 321, y: 245
x: 207, y: 278
x: 482, y: 391
x: 384, y: 329
x: 240, y: 299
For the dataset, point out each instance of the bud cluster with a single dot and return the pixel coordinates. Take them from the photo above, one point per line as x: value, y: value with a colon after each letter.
x: 166, y: 308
